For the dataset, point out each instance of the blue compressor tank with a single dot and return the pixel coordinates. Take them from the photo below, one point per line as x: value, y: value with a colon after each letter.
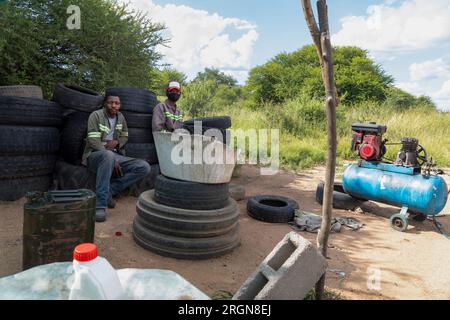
x: 397, y: 186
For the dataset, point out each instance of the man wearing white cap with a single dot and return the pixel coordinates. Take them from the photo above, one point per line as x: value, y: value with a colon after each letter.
x: 166, y: 115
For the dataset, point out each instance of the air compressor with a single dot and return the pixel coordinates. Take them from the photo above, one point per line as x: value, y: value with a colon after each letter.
x: 411, y: 182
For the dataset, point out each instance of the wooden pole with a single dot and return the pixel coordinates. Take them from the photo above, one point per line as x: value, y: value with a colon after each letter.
x: 322, y: 41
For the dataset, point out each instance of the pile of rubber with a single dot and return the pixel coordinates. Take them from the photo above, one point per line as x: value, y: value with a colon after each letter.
x: 187, y: 220
x: 77, y: 105
x: 212, y: 127
x: 29, y: 141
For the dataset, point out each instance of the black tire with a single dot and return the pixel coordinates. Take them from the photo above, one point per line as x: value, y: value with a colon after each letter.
x: 144, y: 151
x: 29, y: 112
x: 22, y: 91
x: 212, y: 122
x: 274, y: 209
x: 138, y: 120
x: 73, y: 138
x: 14, y: 189
x: 220, y: 134
x: 190, y: 195
x: 134, y: 99
x: 140, y: 135
x: 77, y: 98
x: 13, y: 167
x: 341, y: 200
x: 28, y: 140
x: 186, y: 223
x: 185, y: 248
x: 70, y: 177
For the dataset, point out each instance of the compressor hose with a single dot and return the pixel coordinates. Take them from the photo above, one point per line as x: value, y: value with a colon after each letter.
x: 440, y: 228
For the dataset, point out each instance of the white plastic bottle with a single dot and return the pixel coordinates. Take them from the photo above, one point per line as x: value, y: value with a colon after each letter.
x: 95, y: 278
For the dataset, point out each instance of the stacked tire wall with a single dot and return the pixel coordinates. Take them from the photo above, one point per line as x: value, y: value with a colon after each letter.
x: 29, y: 141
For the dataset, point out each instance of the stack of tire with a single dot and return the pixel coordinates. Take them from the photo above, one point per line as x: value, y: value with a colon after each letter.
x: 187, y: 220
x: 78, y: 103
x: 29, y: 141
x: 137, y: 107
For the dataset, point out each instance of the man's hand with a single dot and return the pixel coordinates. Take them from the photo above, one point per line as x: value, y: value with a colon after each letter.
x: 111, y: 145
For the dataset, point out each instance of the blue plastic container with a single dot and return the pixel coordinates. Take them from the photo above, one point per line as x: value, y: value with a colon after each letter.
x: 397, y: 186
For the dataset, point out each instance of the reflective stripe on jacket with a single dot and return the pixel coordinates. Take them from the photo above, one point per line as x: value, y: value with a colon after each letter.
x: 166, y: 118
x: 99, y: 128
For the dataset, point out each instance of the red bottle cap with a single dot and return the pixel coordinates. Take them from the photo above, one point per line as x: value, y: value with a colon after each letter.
x: 85, y: 252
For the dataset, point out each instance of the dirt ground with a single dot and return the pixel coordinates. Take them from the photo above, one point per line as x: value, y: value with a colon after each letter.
x: 412, y: 265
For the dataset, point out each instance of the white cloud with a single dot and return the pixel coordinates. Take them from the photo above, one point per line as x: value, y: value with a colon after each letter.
x: 442, y: 96
x: 409, y: 26
x: 430, y: 69
x: 199, y: 39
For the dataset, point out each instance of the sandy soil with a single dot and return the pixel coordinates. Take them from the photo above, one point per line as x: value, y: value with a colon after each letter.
x: 412, y: 265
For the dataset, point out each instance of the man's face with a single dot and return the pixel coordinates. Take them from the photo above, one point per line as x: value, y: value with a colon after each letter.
x: 113, y: 105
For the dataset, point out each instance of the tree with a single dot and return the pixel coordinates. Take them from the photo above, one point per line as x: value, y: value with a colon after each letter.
x: 166, y: 75
x: 114, y: 47
x: 217, y: 76
x: 288, y: 75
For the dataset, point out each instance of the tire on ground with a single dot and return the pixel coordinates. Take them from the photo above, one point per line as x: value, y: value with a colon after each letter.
x: 138, y: 120
x: 22, y: 91
x: 134, y: 99
x: 274, y: 209
x: 144, y: 151
x: 186, y: 223
x: 185, y: 248
x: 77, y: 98
x: 190, y: 195
x: 341, y: 200
x: 29, y: 112
x: 73, y: 138
x: 13, y: 167
x: 14, y: 189
x: 18, y: 140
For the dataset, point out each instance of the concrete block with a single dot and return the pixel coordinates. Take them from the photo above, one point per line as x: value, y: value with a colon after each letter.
x: 289, y: 272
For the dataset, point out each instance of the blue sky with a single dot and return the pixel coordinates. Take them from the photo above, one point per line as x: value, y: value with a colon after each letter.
x: 409, y: 38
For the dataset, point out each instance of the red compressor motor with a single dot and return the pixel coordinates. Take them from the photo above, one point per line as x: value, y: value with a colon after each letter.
x: 368, y: 141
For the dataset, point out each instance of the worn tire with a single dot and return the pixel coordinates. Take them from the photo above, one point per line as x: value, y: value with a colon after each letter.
x: 138, y: 120
x: 73, y: 137
x: 341, y: 200
x: 140, y: 135
x: 29, y: 112
x: 186, y: 223
x: 69, y: 177
x: 212, y: 122
x: 190, y: 195
x: 220, y: 134
x: 274, y: 209
x: 28, y: 140
x: 185, y: 248
x: 13, y: 167
x: 144, y: 151
x: 14, y: 189
x: 134, y: 99
x: 22, y: 91
x: 77, y: 98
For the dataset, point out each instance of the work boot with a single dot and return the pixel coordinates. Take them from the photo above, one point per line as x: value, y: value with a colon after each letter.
x: 111, y: 203
x: 100, y: 215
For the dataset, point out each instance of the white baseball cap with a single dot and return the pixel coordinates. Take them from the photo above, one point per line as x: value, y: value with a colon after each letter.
x: 174, y: 86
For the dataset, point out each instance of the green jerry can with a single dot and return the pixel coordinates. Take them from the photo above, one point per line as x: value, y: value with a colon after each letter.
x: 54, y: 223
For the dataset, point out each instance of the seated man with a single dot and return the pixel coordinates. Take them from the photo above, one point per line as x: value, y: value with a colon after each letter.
x: 166, y: 115
x: 104, y: 154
